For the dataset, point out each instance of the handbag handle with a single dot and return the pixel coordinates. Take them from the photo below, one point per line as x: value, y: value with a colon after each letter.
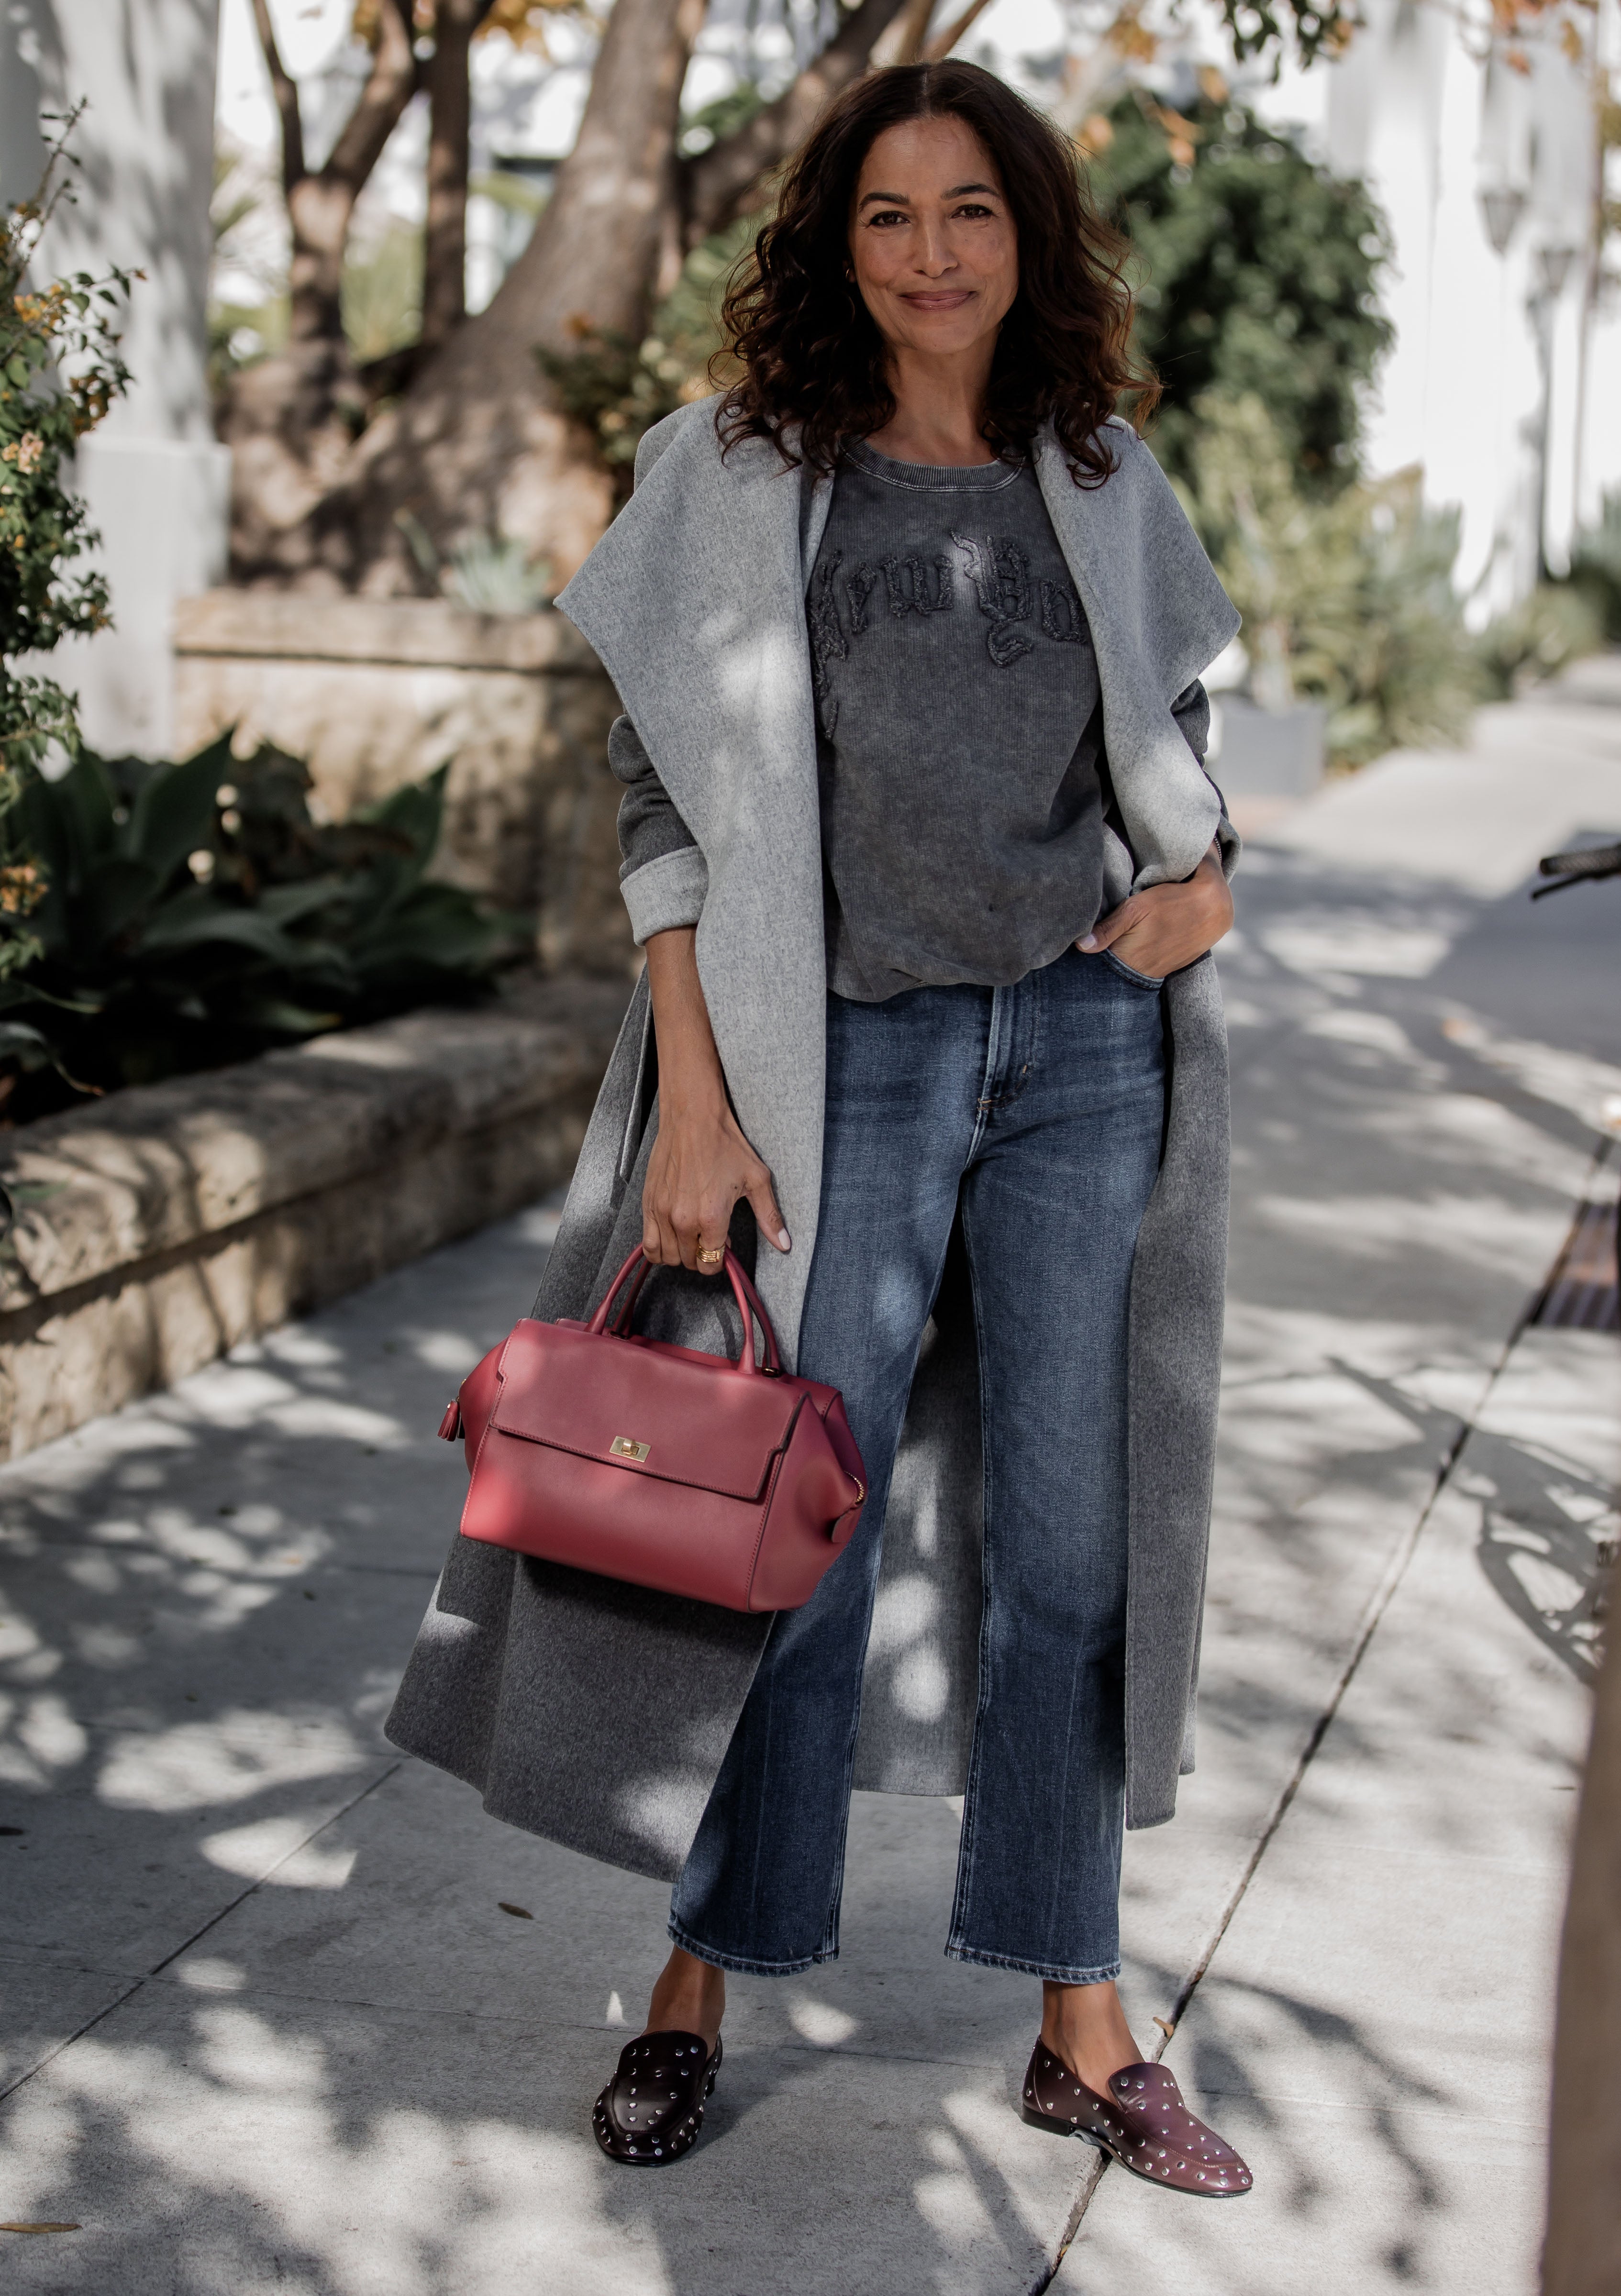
x: 743, y: 1290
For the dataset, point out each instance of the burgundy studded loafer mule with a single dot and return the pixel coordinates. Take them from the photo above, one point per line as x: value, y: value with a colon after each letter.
x: 1142, y: 2123
x: 653, y: 2109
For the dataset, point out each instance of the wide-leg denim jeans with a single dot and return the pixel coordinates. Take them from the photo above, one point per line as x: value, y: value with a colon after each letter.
x: 1040, y: 1110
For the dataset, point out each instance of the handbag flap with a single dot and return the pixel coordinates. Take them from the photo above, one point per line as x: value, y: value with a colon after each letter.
x: 652, y: 1409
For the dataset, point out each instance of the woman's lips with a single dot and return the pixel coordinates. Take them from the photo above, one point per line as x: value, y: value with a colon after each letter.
x: 944, y: 299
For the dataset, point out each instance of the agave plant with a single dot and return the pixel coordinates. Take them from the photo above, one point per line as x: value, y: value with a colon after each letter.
x: 494, y: 575
x: 190, y: 914
x: 1347, y: 601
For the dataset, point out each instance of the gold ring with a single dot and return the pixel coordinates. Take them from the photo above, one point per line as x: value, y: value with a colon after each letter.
x: 708, y: 1257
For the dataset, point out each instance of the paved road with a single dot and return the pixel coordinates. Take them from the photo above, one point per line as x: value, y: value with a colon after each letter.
x: 267, y: 2025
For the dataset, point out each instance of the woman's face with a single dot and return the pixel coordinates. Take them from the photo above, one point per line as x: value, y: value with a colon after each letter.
x: 930, y: 238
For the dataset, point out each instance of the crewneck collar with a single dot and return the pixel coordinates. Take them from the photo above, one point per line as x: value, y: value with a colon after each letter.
x: 932, y: 478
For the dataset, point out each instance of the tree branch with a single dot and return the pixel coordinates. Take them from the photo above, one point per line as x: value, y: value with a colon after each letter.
x: 726, y: 181
x: 905, y: 46
x: 284, y: 88
x: 444, y: 302
x: 390, y: 87
x: 941, y: 46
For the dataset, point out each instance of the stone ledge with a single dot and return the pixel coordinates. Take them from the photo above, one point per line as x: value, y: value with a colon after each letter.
x: 427, y: 632
x: 156, y: 1229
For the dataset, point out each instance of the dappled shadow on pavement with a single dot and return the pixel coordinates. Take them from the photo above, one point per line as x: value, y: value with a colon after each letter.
x: 1372, y: 2028
x: 314, y: 2053
x: 326, y: 2060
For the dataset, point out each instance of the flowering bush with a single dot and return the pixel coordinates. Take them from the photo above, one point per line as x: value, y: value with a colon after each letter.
x: 156, y: 917
x: 59, y: 371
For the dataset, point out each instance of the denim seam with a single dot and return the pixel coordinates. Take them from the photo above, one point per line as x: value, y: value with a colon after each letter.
x: 737, y: 1962
x: 970, y: 1806
x: 985, y: 1099
x: 1051, y: 1972
x: 828, y: 1950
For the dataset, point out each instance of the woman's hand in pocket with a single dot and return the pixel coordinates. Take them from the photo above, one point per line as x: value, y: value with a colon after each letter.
x: 1166, y: 927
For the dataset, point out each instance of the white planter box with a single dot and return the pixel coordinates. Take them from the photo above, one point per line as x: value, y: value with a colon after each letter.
x: 1265, y: 753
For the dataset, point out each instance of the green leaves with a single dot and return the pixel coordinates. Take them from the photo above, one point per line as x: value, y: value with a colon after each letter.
x: 195, y: 914
x: 1347, y: 602
x: 174, y: 812
x: 1258, y: 270
x: 1256, y: 27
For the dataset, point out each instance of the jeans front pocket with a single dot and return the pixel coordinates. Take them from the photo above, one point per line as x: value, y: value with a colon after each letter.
x: 1137, y: 979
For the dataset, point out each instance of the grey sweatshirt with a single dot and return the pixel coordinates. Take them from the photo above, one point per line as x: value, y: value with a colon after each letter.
x: 959, y: 733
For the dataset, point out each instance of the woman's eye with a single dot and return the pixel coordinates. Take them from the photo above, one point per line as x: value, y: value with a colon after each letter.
x: 887, y: 215
x: 973, y: 208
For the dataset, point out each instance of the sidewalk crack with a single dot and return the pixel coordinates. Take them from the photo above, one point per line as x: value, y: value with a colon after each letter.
x: 1378, y: 1603
x: 135, y: 1985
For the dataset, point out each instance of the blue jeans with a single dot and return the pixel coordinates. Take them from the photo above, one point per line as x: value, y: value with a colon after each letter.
x: 1038, y: 1111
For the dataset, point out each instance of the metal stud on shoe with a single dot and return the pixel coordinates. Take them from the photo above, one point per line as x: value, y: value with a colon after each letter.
x: 652, y: 2108
x: 1145, y: 2105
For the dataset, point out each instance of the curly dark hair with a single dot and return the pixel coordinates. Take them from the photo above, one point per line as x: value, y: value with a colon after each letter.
x: 814, y: 362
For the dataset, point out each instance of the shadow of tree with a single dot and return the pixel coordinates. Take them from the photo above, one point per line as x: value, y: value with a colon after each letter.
x: 1547, y: 1527
x: 313, y: 2053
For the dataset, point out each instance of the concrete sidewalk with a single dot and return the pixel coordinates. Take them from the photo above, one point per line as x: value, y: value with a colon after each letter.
x: 268, y: 2026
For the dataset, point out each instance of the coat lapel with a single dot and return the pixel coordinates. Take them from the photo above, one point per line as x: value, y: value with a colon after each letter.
x: 693, y: 601
x: 1159, y: 618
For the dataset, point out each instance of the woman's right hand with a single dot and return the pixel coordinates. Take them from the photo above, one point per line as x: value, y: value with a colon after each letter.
x: 700, y: 1163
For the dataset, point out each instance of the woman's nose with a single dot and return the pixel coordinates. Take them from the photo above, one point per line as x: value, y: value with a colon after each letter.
x: 934, y: 255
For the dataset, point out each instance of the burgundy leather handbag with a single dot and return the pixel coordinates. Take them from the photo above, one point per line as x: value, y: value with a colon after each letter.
x: 731, y: 1483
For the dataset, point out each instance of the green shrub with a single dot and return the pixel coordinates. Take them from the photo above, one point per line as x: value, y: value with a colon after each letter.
x: 1347, y: 602
x: 1257, y: 271
x: 1535, y: 639
x: 194, y: 913
x: 162, y: 917
x: 1595, y: 566
x: 488, y: 573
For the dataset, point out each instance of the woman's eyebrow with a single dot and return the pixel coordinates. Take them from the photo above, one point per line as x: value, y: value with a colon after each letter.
x: 901, y: 199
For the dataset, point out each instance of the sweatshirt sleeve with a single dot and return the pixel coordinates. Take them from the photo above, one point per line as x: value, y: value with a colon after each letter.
x: 662, y: 878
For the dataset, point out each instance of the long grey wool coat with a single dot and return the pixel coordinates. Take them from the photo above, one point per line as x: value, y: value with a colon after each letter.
x: 597, y: 1714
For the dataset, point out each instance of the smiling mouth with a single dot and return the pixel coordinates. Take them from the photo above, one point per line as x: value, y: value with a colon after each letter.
x: 945, y: 298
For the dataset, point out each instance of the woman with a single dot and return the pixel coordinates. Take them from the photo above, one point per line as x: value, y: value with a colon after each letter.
x: 919, y: 842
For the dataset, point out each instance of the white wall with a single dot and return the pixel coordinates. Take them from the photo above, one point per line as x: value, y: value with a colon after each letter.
x: 157, y: 482
x: 1432, y: 120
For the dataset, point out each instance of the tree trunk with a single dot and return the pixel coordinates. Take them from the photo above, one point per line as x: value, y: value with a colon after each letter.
x: 444, y: 295
x: 319, y: 211
x: 733, y: 176
x: 475, y: 443
x: 1583, y: 2255
x: 474, y: 446
x: 290, y: 420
